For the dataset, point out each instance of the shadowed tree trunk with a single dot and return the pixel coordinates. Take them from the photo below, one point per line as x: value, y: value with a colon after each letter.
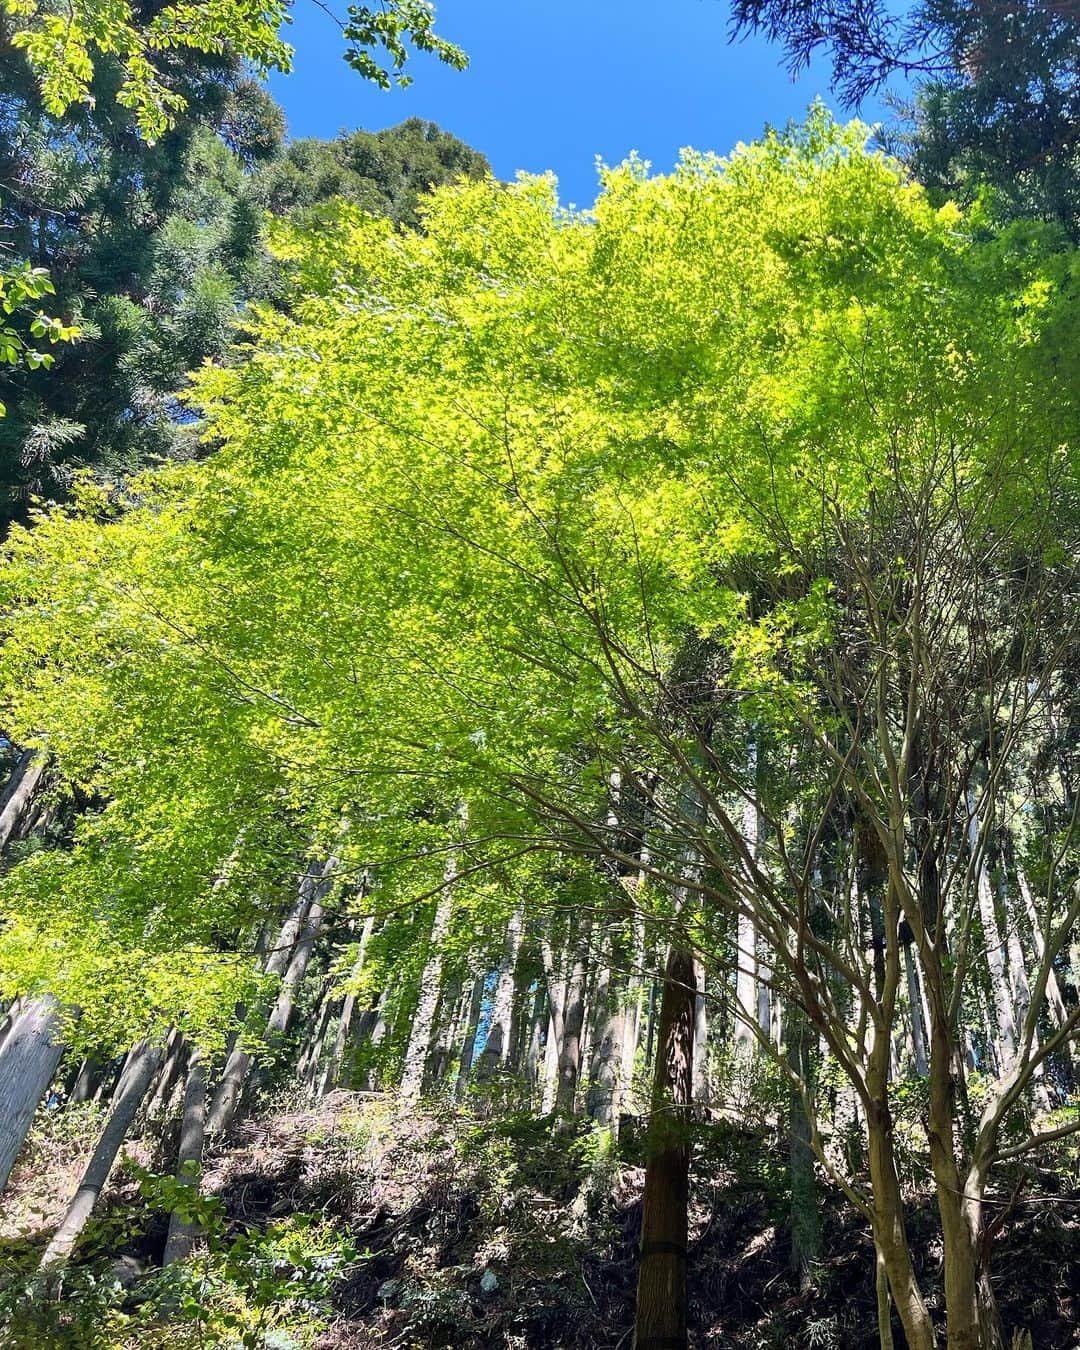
x: 498, y: 1042
x: 28, y: 1060
x: 660, y: 1320
x: 289, y: 958
x: 86, y: 1080
x: 427, y: 1004
x: 805, y: 1218
x: 18, y: 796
x: 468, y: 1041
x: 332, y: 1072
x: 569, y: 1048
x: 182, y: 1233
x: 130, y: 1092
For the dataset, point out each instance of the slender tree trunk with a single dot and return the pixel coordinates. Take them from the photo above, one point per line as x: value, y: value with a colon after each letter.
x: 468, y: 1042
x: 161, y: 1088
x: 281, y: 1014
x: 182, y: 1233
x: 660, y: 1321
x: 497, y: 1043
x: 702, y: 1089
x: 805, y: 1216
x: 1054, y: 1001
x: 288, y: 957
x: 311, y: 1058
x: 890, y: 1236
x: 555, y: 978
x: 453, y: 1009
x: 416, y: 1054
x: 373, y: 1030
x: 915, y: 1008
x: 130, y: 1092
x: 536, y: 1036
x: 746, y: 938
x: 28, y: 1060
x: 332, y: 1073
x: 572, y: 1023
x: 86, y: 1080
x: 226, y: 1097
x: 1004, y: 1025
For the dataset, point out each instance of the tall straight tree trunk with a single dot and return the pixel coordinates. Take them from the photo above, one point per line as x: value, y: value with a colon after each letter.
x: 746, y: 937
x: 915, y: 1007
x: 453, y: 1010
x: 1004, y: 1028
x: 332, y: 1073
x: 555, y: 978
x: 498, y: 1041
x: 161, y: 1088
x: 1054, y: 1001
x: 281, y: 1014
x: 805, y: 1217
x: 182, y: 1233
x: 427, y: 1005
x: 311, y: 1057
x: 288, y: 957
x: 660, y: 1321
x: 635, y: 991
x: 129, y: 1094
x: 569, y: 1061
x: 701, y: 1037
x: 609, y: 1045
x: 28, y: 1060
x: 468, y: 1040
x: 534, y: 1048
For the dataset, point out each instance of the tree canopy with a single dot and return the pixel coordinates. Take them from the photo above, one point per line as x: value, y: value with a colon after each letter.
x: 752, y: 488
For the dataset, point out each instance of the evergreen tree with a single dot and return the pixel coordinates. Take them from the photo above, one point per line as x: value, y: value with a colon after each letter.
x: 996, y: 100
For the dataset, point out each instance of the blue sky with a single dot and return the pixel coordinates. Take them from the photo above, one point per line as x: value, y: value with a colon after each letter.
x: 552, y: 84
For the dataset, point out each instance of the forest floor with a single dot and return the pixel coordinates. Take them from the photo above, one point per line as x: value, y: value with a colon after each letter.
x: 492, y: 1231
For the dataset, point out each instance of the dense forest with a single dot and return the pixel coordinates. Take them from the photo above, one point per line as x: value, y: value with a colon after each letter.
x: 542, y: 747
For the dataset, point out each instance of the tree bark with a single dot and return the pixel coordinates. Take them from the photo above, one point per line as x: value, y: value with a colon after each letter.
x: 18, y: 796
x: 468, y: 1040
x: 536, y: 1035
x: 660, y: 1321
x: 746, y: 942
x: 86, y: 1080
x: 702, y: 1089
x: 498, y: 1041
x: 569, y: 1061
x: 28, y: 1060
x: 332, y: 1073
x: 1004, y: 1024
x: 182, y: 1233
x: 288, y: 957
x: 416, y: 1054
x: 130, y: 1092
x: 915, y: 1008
x: 805, y: 1216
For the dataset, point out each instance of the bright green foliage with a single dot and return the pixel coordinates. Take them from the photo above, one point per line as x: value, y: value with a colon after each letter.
x: 65, y: 45
x: 64, y: 48
x: 19, y: 286
x: 390, y: 28
x: 157, y: 250
x: 476, y: 492
x: 995, y: 102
